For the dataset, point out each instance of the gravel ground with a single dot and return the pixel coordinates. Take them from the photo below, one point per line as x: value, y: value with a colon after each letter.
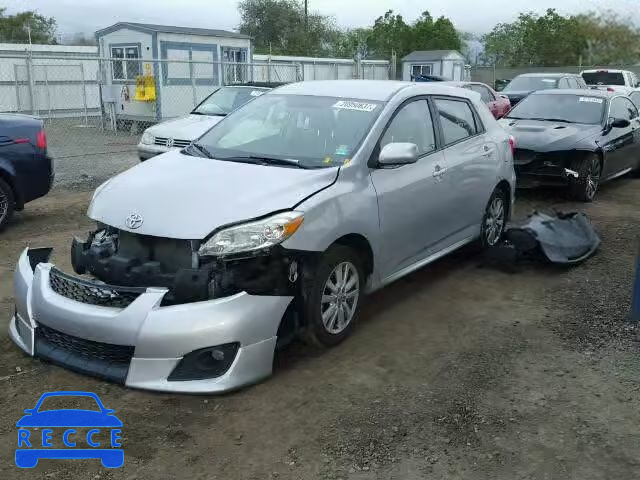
x: 457, y: 371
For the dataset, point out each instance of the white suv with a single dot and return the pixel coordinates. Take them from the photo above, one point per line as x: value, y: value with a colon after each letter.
x: 623, y: 81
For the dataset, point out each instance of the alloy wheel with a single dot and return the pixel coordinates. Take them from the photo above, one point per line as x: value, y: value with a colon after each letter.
x: 494, y: 221
x: 592, y: 179
x: 340, y: 297
x: 4, y: 205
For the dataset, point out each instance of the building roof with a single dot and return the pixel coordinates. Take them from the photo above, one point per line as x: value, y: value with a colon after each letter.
x: 430, y: 55
x: 171, y: 29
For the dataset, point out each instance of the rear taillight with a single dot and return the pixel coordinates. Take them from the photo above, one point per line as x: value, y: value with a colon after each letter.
x: 41, y: 140
x: 512, y: 144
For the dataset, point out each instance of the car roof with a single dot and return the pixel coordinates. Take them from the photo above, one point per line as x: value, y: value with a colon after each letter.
x: 549, y: 74
x: 583, y: 92
x: 376, y: 90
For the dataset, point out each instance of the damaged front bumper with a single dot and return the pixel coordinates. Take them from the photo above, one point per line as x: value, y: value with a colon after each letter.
x: 126, y: 335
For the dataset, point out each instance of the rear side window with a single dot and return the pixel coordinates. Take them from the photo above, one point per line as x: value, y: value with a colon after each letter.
x: 563, y: 83
x: 603, y: 78
x: 635, y: 98
x: 412, y: 124
x: 457, y: 120
x: 484, y: 92
x: 573, y: 83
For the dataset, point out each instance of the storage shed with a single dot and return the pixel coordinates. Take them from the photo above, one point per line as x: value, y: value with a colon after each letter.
x: 192, y: 62
x: 445, y: 63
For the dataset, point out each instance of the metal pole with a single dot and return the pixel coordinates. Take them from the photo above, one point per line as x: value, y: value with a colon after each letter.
x: 46, y: 86
x: 84, y: 95
x: 306, y: 28
x: 15, y: 73
x: 193, y: 84
x: 29, y: 62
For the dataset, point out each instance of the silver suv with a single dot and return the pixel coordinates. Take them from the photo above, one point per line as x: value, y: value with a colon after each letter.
x: 273, y: 224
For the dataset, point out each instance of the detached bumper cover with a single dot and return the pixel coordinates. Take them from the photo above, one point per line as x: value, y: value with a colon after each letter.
x: 141, y: 344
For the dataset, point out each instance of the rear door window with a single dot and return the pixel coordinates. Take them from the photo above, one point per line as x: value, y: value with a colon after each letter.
x: 457, y: 120
x: 484, y: 92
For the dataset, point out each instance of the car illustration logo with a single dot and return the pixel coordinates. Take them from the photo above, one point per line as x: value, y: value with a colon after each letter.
x: 69, y: 433
x: 170, y: 142
x: 133, y: 221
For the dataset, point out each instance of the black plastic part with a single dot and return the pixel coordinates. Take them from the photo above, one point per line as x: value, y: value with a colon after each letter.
x: 103, y: 360
x: 38, y: 255
x: 205, y: 363
x: 92, y: 293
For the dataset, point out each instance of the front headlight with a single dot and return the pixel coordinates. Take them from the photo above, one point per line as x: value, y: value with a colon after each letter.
x: 253, y: 235
x: 147, y: 138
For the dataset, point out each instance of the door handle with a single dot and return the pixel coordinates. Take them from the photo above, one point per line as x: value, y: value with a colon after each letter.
x: 438, y: 171
x: 487, y: 151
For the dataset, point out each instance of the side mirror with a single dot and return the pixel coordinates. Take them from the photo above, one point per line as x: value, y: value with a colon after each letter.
x: 394, y: 154
x: 619, y: 123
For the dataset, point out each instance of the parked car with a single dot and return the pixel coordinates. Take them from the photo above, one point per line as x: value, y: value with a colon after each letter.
x: 429, y: 78
x: 275, y: 223
x: 523, y: 85
x: 180, y: 132
x: 500, y: 83
x: 622, y: 81
x: 26, y: 171
x: 635, y: 98
x: 576, y: 138
x: 497, y: 103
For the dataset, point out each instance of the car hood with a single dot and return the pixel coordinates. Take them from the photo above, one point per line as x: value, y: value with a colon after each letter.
x: 547, y: 136
x: 185, y: 128
x: 69, y: 418
x: 184, y: 197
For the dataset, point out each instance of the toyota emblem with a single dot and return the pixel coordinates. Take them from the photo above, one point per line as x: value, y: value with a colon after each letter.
x: 133, y: 221
x: 169, y: 142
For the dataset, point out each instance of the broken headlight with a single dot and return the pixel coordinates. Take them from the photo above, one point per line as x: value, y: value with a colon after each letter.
x: 253, y: 235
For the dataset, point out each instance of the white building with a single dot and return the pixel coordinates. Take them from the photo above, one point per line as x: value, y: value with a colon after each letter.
x: 180, y: 82
x: 444, y: 63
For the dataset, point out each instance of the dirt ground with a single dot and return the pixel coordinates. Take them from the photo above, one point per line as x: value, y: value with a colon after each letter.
x: 458, y: 371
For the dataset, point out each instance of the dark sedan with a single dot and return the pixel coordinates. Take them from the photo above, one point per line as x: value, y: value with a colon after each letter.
x: 523, y: 85
x: 576, y: 138
x: 26, y: 171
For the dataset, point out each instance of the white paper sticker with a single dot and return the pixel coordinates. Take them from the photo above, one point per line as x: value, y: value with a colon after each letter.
x: 549, y: 80
x: 361, y: 107
x: 591, y: 99
x: 256, y: 93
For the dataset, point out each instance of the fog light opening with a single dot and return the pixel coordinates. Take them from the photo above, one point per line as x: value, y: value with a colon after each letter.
x: 205, y: 363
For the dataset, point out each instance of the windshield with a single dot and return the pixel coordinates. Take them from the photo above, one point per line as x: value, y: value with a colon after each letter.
x: 313, y: 131
x: 603, y: 78
x: 227, y: 99
x: 528, y: 84
x: 568, y: 108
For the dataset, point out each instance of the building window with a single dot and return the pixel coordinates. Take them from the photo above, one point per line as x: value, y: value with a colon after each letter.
x: 126, y: 62
x: 417, y: 70
x: 189, y: 63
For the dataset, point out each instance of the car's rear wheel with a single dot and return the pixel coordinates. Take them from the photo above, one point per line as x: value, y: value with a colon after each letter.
x: 334, y: 296
x: 495, y: 219
x: 584, y: 187
x: 7, y: 203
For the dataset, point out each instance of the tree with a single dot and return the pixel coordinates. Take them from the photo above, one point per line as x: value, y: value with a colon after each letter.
x: 609, y: 40
x: 15, y: 28
x: 278, y: 26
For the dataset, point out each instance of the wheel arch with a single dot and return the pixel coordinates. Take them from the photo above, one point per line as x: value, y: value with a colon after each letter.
x: 360, y: 244
x: 10, y: 179
x: 506, y: 188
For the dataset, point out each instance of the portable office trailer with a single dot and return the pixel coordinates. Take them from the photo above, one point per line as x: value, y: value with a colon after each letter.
x: 191, y: 63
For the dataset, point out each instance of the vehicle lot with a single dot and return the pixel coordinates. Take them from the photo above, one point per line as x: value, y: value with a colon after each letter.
x: 457, y: 371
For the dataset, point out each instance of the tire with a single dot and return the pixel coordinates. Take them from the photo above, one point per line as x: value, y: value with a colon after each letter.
x: 494, y: 219
x: 7, y: 203
x: 584, y: 187
x: 326, y: 329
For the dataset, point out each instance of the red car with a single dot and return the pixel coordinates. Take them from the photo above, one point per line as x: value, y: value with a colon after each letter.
x: 498, y: 104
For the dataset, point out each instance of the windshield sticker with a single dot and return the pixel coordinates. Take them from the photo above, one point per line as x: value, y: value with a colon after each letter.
x: 590, y: 99
x: 328, y: 160
x: 342, y: 150
x: 256, y: 93
x: 360, y: 107
x: 548, y: 80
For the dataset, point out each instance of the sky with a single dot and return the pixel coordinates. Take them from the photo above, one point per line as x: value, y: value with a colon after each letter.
x: 469, y: 15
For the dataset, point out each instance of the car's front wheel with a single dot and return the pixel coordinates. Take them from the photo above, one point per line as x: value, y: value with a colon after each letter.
x: 584, y: 187
x: 334, y: 296
x: 7, y: 203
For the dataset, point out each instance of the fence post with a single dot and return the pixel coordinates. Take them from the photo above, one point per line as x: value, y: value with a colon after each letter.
x: 193, y: 84
x: 46, y: 86
x: 29, y: 64
x: 84, y: 94
x: 18, y: 102
x: 635, y: 299
x: 269, y: 69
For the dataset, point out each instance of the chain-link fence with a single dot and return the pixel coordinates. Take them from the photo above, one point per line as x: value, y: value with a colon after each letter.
x: 496, y: 76
x: 95, y: 109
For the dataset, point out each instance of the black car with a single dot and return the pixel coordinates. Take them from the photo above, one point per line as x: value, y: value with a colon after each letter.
x: 523, y: 85
x: 577, y: 138
x: 26, y: 171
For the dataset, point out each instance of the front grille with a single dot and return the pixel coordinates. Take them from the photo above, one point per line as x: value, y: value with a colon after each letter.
x: 91, y: 293
x: 103, y: 360
x: 171, y: 142
x: 523, y: 156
